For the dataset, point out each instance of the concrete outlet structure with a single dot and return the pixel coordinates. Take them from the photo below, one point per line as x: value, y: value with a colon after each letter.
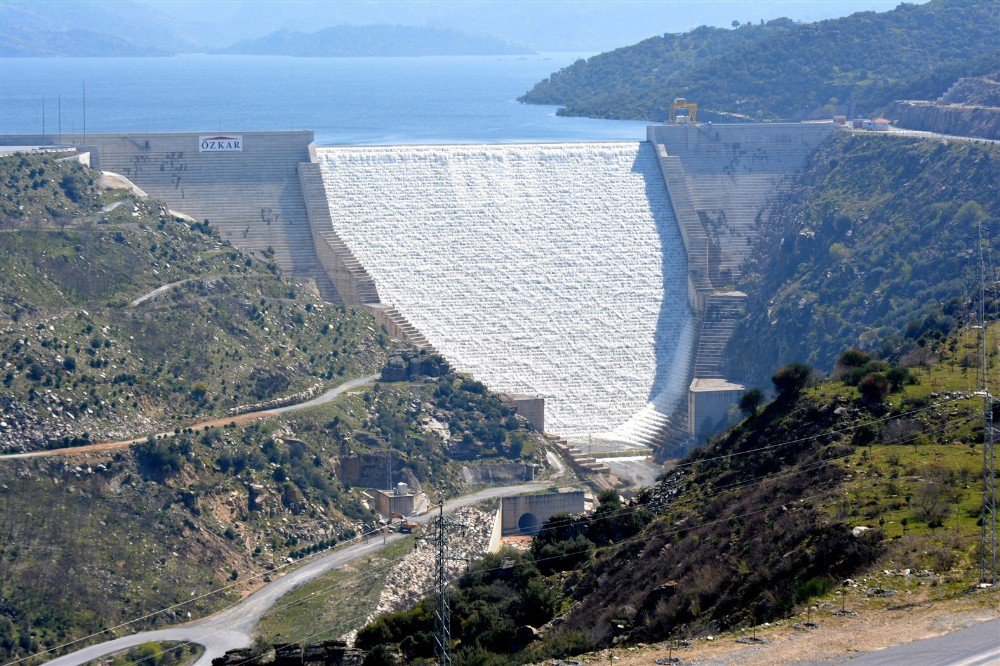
x: 709, y: 401
x: 532, y: 408
x: 522, y: 515
x: 401, y: 501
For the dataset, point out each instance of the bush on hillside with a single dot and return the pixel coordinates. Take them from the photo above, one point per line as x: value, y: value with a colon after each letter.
x: 792, y: 378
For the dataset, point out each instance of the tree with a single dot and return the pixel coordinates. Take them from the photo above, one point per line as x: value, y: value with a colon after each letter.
x: 853, y: 358
x: 897, y: 376
x: 792, y: 378
x: 874, y: 387
x: 751, y: 401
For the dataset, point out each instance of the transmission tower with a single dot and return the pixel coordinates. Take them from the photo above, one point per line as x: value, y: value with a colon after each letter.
x: 988, y: 544
x: 442, y: 614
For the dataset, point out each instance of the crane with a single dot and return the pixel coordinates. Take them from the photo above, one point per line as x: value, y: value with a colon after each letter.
x: 681, y: 103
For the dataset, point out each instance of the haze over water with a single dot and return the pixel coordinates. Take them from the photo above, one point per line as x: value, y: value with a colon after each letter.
x: 345, y: 101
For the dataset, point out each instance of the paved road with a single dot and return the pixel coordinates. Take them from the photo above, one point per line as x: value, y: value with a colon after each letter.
x: 101, y: 447
x: 978, y: 645
x: 233, y: 627
x: 156, y: 292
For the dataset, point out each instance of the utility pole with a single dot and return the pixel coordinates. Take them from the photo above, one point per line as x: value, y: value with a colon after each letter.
x: 988, y: 541
x: 59, y: 105
x: 84, y: 112
x: 388, y: 465
x: 43, y: 118
x: 442, y: 614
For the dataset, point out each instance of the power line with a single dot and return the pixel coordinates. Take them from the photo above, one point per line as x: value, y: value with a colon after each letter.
x: 715, y: 491
x: 988, y: 534
x: 626, y: 509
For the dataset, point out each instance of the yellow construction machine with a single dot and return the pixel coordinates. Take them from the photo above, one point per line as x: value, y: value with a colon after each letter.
x: 679, y: 104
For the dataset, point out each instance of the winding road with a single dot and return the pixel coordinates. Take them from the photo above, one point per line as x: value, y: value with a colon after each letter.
x: 978, y: 645
x: 233, y: 627
x: 102, y: 447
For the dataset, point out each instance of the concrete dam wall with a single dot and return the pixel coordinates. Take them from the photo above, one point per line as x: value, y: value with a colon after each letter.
x: 251, y: 196
x: 547, y: 269
x: 598, y: 276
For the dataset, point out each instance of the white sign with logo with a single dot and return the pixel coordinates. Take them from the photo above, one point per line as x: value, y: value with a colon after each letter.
x: 222, y: 143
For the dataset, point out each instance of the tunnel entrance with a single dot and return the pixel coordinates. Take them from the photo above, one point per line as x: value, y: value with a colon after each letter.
x: 527, y: 523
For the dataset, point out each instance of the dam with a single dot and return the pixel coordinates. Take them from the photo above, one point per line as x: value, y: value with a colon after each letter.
x: 596, y: 276
x: 553, y: 270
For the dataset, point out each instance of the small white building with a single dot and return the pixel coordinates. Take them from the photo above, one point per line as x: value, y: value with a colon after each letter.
x: 881, y: 125
x: 709, y: 401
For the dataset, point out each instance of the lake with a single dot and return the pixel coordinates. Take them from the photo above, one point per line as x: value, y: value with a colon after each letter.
x: 345, y: 101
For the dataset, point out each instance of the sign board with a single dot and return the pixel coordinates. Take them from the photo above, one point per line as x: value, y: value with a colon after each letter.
x: 221, y: 143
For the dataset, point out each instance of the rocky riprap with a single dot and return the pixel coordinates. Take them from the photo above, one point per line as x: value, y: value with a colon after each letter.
x: 413, y: 578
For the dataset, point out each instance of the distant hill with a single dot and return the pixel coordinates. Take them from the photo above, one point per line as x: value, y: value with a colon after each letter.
x: 20, y: 42
x: 374, y: 40
x: 782, y: 69
x: 43, y: 28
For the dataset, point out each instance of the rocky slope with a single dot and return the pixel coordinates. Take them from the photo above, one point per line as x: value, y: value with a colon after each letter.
x: 970, y: 107
x: 827, y: 483
x: 874, y: 245
x: 117, y: 320
x: 93, y: 538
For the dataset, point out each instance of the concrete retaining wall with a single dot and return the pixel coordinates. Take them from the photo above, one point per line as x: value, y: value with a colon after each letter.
x: 525, y: 514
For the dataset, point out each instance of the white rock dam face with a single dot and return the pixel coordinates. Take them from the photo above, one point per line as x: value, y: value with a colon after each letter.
x: 550, y: 269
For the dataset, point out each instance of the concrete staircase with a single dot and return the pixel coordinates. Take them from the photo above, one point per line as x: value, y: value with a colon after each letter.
x: 722, y: 313
x: 353, y: 283
x: 721, y: 180
x: 579, y: 461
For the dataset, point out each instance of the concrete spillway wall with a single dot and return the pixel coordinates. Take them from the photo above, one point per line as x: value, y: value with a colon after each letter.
x: 251, y: 196
x: 544, y: 269
x: 721, y: 180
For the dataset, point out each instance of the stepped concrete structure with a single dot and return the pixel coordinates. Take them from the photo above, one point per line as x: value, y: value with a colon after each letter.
x: 722, y: 179
x: 251, y: 195
x: 554, y: 270
x: 591, y: 281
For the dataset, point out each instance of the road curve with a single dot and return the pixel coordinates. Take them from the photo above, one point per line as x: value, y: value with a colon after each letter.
x: 978, y: 645
x: 232, y: 628
x: 239, y: 419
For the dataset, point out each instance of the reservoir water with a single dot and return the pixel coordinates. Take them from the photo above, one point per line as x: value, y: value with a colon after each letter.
x: 345, y: 101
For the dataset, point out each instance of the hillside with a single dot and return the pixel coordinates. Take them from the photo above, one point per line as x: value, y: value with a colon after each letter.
x: 825, y: 483
x: 875, y: 244
x: 201, y: 519
x: 118, y: 320
x: 970, y: 107
x: 88, y: 28
x: 84, y: 359
x: 374, y: 40
x: 782, y: 69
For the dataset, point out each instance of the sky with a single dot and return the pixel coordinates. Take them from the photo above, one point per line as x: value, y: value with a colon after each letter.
x: 543, y: 25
